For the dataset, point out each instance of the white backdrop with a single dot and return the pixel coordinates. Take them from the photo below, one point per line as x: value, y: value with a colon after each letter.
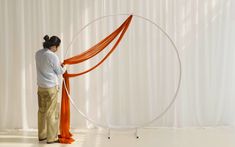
x: 203, y: 30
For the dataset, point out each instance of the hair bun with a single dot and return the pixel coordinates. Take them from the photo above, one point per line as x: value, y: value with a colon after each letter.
x: 46, y: 38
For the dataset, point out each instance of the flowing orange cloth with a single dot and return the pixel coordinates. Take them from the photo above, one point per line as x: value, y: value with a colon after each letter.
x: 65, y: 135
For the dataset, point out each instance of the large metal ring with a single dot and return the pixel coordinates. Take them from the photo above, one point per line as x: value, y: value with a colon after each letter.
x: 176, y: 91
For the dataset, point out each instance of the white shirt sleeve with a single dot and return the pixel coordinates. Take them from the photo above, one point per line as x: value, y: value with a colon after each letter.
x: 55, y: 64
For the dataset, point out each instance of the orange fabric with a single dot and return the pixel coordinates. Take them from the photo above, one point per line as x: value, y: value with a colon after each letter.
x: 65, y: 135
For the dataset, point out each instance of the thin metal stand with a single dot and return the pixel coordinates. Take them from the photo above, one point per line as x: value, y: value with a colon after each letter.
x: 109, y: 133
x: 136, y: 133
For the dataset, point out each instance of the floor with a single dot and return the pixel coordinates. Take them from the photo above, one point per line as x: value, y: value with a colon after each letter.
x: 149, y: 137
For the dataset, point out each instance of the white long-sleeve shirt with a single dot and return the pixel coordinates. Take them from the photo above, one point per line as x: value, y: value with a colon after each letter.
x: 48, y: 68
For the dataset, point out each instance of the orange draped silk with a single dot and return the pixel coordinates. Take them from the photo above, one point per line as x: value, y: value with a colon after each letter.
x: 65, y: 135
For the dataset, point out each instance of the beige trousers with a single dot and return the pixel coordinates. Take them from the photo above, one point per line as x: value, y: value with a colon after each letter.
x: 48, y: 113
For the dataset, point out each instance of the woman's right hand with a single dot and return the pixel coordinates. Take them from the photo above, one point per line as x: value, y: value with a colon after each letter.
x: 62, y: 64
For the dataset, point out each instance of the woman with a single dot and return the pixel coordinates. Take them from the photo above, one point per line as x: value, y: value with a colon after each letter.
x: 48, y: 72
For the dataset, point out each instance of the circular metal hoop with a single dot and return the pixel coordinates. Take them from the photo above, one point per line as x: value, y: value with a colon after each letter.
x: 176, y: 91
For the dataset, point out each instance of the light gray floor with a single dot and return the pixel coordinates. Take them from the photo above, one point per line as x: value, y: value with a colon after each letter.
x: 159, y: 137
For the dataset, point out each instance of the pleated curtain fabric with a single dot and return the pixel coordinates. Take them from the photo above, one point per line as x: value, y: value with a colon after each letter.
x: 203, y: 31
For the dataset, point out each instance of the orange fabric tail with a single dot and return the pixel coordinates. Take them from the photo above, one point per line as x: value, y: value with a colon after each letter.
x: 65, y: 135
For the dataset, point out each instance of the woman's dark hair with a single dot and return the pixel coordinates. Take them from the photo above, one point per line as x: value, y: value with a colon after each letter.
x: 51, y: 41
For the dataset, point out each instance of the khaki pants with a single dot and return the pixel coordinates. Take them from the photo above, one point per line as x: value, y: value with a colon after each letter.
x: 48, y: 113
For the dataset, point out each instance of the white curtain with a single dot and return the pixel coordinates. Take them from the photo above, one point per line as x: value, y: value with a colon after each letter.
x: 118, y: 92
